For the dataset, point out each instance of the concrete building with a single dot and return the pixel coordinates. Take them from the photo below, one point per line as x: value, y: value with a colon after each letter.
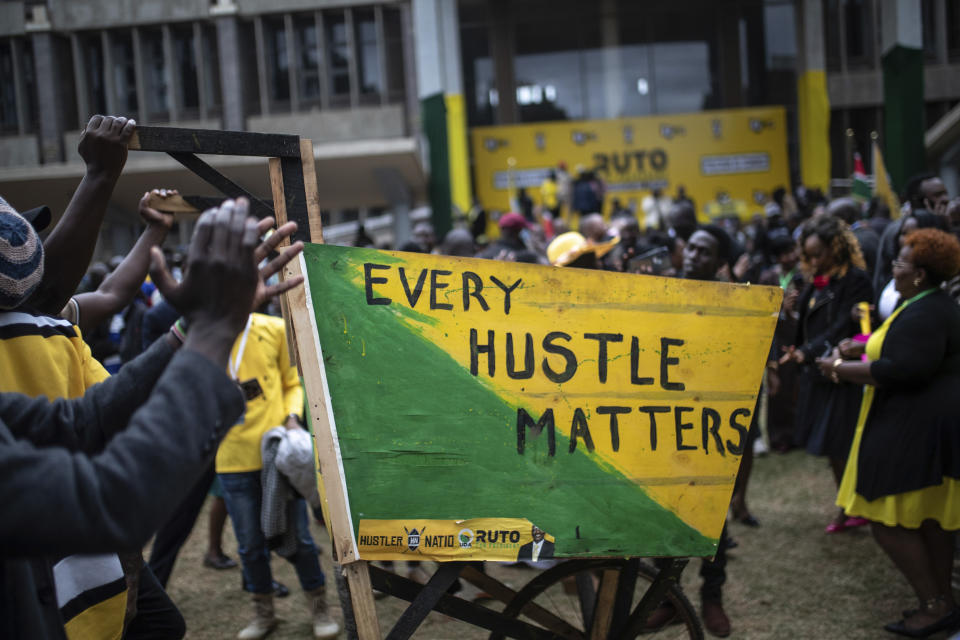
x: 388, y: 90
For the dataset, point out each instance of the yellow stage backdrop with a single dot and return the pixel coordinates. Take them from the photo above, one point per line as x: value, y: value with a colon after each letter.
x: 473, y: 400
x: 728, y: 161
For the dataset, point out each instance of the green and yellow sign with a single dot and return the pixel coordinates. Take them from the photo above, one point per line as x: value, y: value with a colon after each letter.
x: 729, y: 161
x: 494, y: 411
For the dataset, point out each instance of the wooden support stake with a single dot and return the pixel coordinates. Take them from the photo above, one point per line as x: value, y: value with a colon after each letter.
x: 336, y: 513
x: 603, y: 614
x: 313, y: 194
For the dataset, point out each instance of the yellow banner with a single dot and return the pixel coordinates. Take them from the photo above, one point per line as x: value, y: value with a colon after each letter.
x: 728, y: 161
x: 507, y: 539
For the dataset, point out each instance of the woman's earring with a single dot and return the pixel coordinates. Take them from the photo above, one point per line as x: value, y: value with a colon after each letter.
x: 916, y: 282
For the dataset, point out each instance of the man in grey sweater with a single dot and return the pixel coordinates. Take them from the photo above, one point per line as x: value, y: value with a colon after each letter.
x: 102, y: 472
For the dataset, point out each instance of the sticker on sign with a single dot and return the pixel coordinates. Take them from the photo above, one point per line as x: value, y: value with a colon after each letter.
x: 734, y: 163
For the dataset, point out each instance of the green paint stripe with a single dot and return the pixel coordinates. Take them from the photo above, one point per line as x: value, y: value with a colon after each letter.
x: 444, y: 446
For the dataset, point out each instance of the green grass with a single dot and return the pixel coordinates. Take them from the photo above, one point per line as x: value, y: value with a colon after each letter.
x: 787, y: 579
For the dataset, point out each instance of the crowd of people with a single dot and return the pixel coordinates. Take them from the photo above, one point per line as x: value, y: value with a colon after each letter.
x: 112, y: 381
x: 886, y: 423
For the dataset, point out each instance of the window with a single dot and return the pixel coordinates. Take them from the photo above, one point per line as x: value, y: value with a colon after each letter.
x: 278, y: 61
x: 124, y: 73
x: 308, y: 56
x: 154, y: 76
x: 185, y: 71
x: 929, y: 25
x: 92, y: 52
x: 8, y: 90
x: 368, y: 53
x: 393, y: 45
x: 953, y: 30
x: 248, y: 66
x: 338, y: 48
x: 831, y: 23
x: 859, y: 32
x: 211, y: 69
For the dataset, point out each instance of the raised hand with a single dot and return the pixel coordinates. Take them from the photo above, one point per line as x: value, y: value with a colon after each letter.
x: 171, y: 291
x: 153, y: 217
x: 265, y: 292
x: 103, y: 144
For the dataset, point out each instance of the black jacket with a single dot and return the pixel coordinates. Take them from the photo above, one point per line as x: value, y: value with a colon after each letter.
x: 100, y: 473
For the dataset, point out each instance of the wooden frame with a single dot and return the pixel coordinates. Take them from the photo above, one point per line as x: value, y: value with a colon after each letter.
x: 295, y: 197
x: 293, y: 182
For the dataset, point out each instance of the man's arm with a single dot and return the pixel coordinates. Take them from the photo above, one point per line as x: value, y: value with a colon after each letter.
x: 106, y: 408
x: 69, y: 247
x: 57, y: 502
x: 120, y: 287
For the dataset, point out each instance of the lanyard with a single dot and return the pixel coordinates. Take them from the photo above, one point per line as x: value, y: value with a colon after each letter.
x: 235, y: 363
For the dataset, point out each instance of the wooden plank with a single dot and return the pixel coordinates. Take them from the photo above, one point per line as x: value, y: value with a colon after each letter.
x: 336, y: 514
x: 214, y: 141
x: 222, y: 183
x: 505, y: 594
x: 312, y: 193
x: 361, y: 597
x: 294, y: 196
x: 603, y: 614
x: 460, y: 609
x: 668, y: 576
x: 426, y: 601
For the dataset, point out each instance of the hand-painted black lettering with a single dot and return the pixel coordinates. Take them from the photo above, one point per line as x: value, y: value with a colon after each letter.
x: 682, y: 426
x: 567, y: 354
x: 469, y: 277
x: 524, y: 421
x: 743, y: 430
x: 652, y: 411
x: 369, y: 281
x: 602, y: 340
x: 506, y: 292
x: 635, y: 363
x: 580, y: 429
x: 665, y: 361
x: 613, y: 412
x: 413, y: 296
x: 436, y: 285
x: 527, y: 358
x: 710, y: 425
x: 476, y: 349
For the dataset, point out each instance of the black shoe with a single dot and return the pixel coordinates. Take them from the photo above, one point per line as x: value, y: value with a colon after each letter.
x: 221, y: 561
x: 280, y: 590
x: 949, y: 621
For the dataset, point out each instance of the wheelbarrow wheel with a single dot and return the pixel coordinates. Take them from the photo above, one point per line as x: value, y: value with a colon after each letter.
x: 574, y: 596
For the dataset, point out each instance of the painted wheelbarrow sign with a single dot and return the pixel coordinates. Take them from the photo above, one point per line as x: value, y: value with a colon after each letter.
x: 484, y: 410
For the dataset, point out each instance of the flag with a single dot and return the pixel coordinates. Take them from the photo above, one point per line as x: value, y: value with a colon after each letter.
x: 860, y: 190
x: 881, y: 183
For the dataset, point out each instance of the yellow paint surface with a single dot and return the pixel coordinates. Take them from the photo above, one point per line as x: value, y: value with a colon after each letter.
x: 728, y: 160
x: 725, y: 332
x: 459, y: 158
x: 813, y: 119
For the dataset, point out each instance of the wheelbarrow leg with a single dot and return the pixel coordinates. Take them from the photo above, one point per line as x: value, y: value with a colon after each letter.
x: 427, y: 599
x: 669, y: 575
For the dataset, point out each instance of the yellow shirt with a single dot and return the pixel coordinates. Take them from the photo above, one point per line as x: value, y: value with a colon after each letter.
x: 548, y: 194
x: 266, y: 358
x: 45, y: 356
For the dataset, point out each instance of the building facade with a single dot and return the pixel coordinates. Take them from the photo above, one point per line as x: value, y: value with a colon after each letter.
x: 389, y: 90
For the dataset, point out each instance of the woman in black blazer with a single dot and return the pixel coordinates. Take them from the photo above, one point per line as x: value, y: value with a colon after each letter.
x: 827, y: 412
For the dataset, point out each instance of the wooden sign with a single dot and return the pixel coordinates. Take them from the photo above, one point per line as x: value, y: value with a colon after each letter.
x: 483, y: 410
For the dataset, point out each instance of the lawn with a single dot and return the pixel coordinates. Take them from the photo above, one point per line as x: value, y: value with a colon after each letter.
x: 786, y: 579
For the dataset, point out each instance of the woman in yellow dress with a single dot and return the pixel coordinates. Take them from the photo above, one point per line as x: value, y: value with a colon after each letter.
x: 903, y: 473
